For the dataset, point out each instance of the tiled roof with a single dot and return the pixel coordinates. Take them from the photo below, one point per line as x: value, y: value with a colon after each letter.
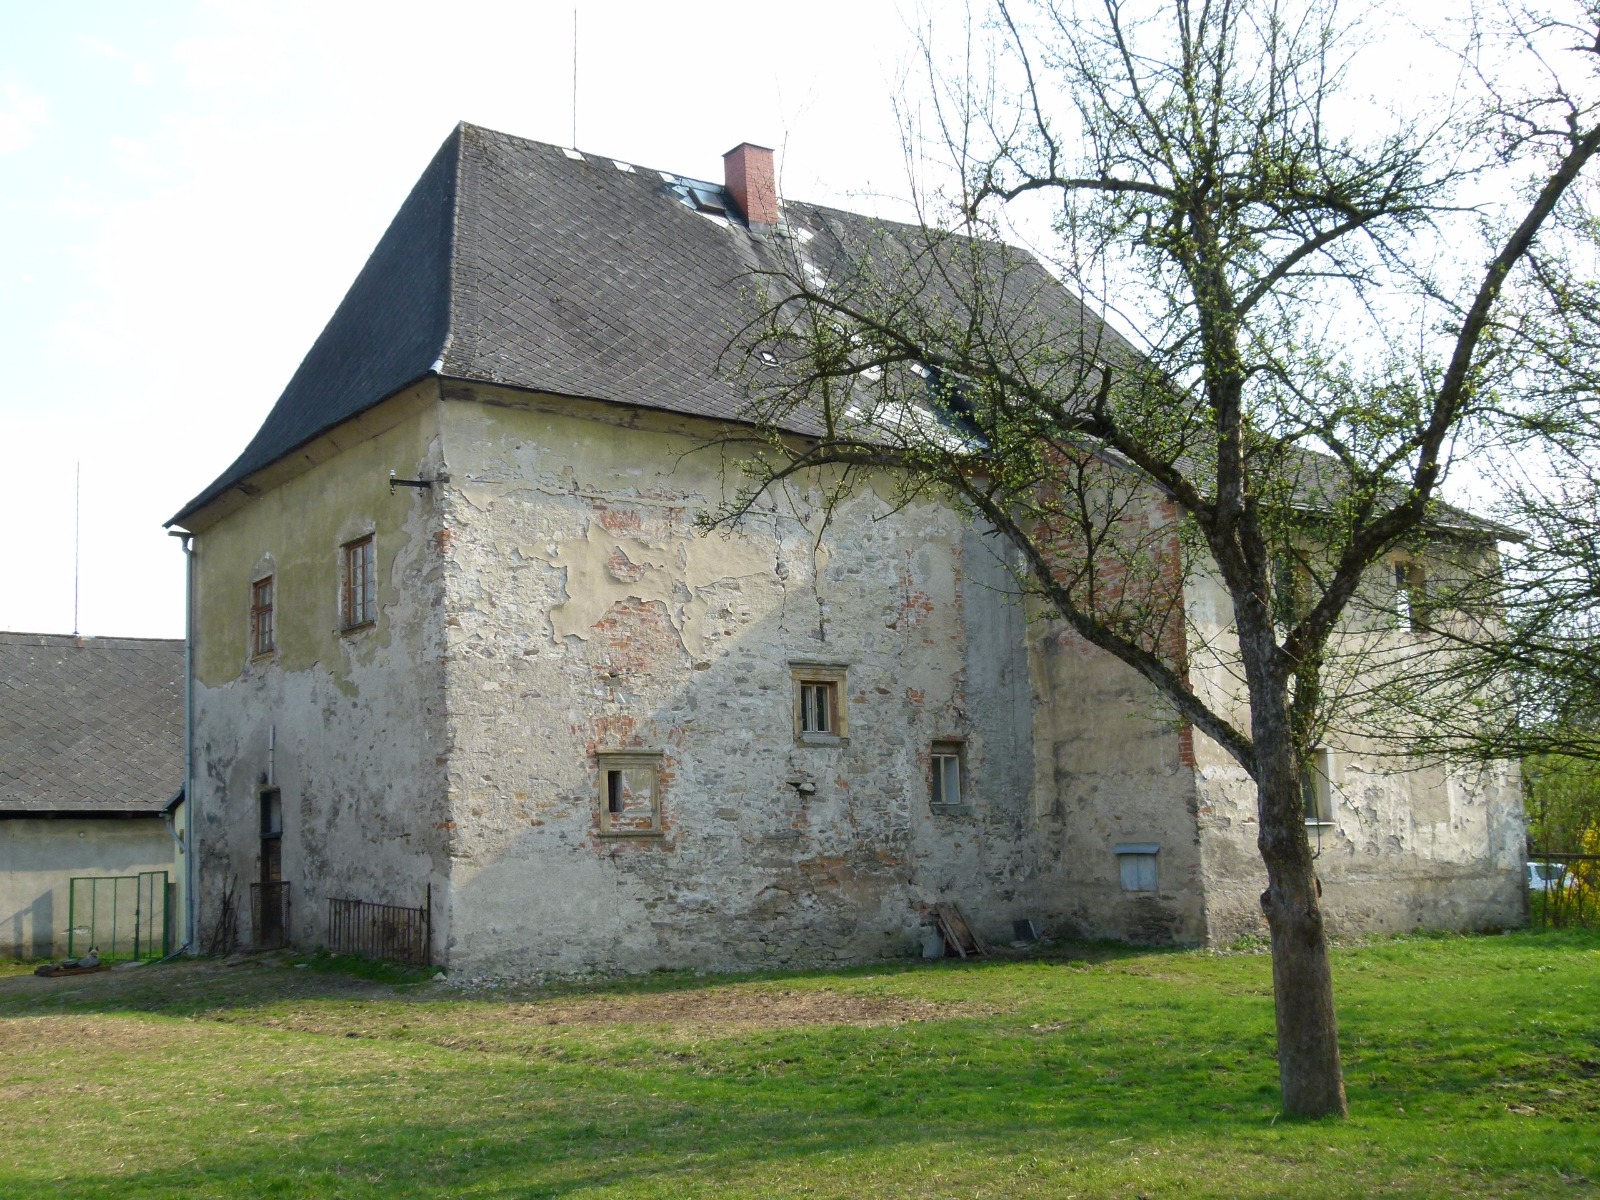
x: 525, y: 265
x: 89, y: 724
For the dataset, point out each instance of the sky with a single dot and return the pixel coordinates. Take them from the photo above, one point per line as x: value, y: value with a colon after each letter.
x: 187, y: 188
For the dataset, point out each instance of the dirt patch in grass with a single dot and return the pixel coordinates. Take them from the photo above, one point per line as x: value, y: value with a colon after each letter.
x: 693, y: 1014
x: 746, y: 1008
x: 45, y: 1039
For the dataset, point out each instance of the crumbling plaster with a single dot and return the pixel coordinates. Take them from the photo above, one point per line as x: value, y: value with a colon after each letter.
x: 588, y: 614
x: 1411, y: 844
x: 348, y: 725
x: 550, y: 599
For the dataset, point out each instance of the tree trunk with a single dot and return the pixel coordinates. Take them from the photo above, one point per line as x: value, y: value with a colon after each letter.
x: 1309, y: 1071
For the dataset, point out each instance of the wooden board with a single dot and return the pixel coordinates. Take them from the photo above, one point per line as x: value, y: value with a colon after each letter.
x: 957, y: 933
x: 51, y: 972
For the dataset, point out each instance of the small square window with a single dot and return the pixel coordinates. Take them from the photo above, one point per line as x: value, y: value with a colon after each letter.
x: 1136, y: 863
x: 261, y: 634
x: 820, y: 716
x: 630, y: 794
x: 946, y: 775
x: 1316, y: 786
x: 359, y: 593
x: 819, y: 707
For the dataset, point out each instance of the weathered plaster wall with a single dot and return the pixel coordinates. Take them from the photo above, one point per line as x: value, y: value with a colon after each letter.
x: 1114, y: 768
x: 38, y: 858
x: 356, y: 717
x: 1410, y: 845
x: 587, y: 615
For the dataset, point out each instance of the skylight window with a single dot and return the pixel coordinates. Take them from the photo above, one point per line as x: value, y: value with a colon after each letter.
x: 622, y: 166
x: 571, y: 153
x: 707, y: 199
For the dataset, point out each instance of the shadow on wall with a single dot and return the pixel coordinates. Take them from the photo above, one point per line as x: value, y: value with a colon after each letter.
x: 33, y: 928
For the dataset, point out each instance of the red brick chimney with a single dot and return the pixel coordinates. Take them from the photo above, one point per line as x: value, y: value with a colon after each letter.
x: 752, y: 180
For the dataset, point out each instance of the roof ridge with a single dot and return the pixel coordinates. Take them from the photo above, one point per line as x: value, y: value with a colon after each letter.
x: 47, y: 638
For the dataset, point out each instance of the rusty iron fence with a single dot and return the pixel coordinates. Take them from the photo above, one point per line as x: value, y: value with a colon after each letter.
x: 269, y: 915
x: 388, y: 931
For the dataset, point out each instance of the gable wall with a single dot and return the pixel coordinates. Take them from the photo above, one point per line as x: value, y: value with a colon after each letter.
x: 587, y: 614
x: 356, y: 718
x: 1411, y: 845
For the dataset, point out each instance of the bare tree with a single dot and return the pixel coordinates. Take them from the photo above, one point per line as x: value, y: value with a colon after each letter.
x: 1312, y: 356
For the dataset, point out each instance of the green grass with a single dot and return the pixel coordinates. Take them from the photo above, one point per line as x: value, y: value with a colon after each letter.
x: 1473, y: 1066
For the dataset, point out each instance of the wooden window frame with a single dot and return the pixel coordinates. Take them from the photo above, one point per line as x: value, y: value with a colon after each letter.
x: 358, y: 585
x: 1316, y: 787
x: 1411, y: 593
x: 942, y: 755
x: 612, y: 763
x: 827, y: 680
x: 263, y: 634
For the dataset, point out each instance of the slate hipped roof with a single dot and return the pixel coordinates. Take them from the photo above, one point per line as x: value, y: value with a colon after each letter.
x: 524, y: 265
x: 530, y: 266
x: 89, y: 725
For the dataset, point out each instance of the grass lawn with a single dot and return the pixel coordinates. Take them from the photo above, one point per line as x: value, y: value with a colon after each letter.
x: 1473, y: 1066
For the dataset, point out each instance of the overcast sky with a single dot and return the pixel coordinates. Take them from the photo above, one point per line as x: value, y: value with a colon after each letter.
x: 189, y: 187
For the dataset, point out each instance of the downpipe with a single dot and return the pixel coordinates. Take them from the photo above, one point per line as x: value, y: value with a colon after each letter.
x: 191, y: 859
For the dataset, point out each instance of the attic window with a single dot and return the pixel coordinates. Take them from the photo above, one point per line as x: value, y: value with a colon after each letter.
x: 573, y: 154
x: 622, y: 166
x: 707, y: 199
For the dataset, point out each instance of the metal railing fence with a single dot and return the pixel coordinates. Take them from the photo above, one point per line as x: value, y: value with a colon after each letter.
x: 388, y: 931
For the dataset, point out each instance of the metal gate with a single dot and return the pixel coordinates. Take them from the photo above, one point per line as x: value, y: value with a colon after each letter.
x: 124, y: 916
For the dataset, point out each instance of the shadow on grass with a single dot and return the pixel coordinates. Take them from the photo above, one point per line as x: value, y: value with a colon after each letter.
x: 1451, y: 1049
x: 199, y: 986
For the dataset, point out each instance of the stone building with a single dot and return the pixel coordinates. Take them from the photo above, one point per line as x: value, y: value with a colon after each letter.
x: 456, y: 635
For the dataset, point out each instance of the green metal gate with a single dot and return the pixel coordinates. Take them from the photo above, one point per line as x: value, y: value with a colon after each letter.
x: 124, y: 915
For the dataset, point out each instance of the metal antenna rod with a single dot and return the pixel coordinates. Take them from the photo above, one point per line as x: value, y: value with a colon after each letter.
x: 574, y: 76
x: 77, y: 540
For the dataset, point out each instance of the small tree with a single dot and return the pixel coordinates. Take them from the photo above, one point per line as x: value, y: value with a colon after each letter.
x: 1209, y: 175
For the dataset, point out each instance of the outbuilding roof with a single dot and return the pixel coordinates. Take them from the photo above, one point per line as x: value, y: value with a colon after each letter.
x: 90, y: 725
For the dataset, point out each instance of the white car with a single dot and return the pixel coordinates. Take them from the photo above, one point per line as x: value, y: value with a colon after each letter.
x: 1547, y: 876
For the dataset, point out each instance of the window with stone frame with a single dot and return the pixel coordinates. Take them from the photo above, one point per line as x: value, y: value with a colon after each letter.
x: 358, y: 603
x: 821, y: 715
x: 262, y: 638
x: 947, y: 775
x: 630, y: 793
